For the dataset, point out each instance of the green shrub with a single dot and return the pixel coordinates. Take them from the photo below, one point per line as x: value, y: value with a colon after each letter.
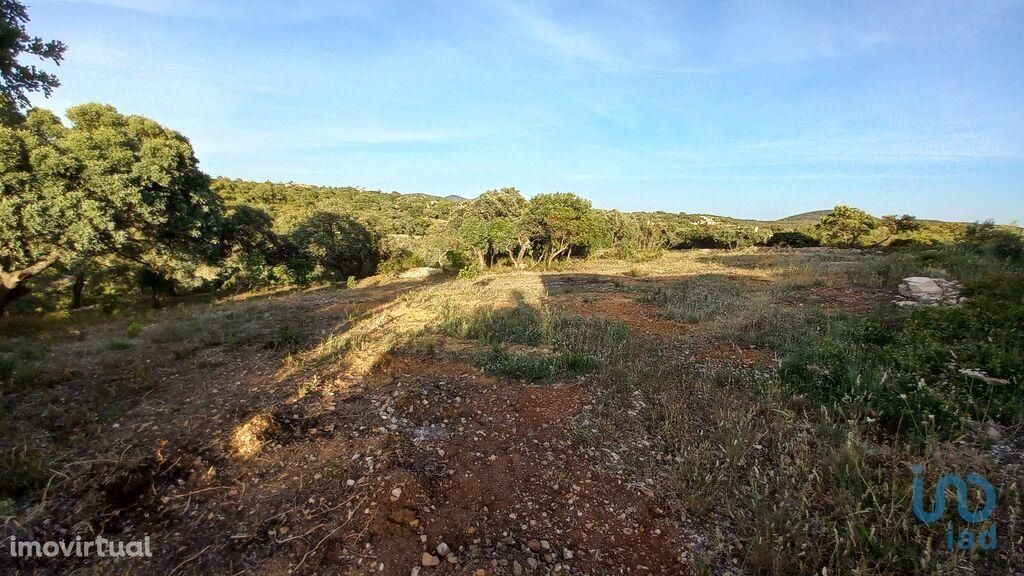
x: 118, y: 344
x: 399, y: 261
x: 21, y: 471
x: 792, y: 239
x: 133, y: 330
x: 903, y: 367
x: 469, y: 272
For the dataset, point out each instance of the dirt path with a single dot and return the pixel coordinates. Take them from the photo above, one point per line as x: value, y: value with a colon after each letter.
x: 365, y: 479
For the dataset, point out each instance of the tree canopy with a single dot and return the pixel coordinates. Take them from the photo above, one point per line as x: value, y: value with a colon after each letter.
x: 845, y: 225
x: 107, y: 186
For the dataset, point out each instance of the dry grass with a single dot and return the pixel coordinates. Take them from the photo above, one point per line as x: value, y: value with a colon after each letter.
x: 769, y: 481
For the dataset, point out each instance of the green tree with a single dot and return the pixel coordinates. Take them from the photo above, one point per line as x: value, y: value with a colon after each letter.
x: 488, y: 225
x: 17, y: 79
x: 473, y: 234
x: 559, y: 221
x: 250, y: 229
x: 338, y: 245
x: 107, y: 187
x: 250, y: 248
x: 845, y: 225
x: 899, y: 224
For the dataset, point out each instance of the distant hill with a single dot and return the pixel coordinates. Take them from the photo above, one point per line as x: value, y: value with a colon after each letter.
x: 802, y: 220
x: 456, y: 198
x: 813, y: 216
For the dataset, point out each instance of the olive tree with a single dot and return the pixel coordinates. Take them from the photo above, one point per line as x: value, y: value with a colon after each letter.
x: 488, y: 225
x: 558, y: 220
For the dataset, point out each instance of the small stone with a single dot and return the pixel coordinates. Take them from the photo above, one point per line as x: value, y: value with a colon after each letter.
x: 350, y: 482
x: 566, y: 553
x: 545, y: 544
x: 533, y: 563
x: 443, y: 549
x: 430, y: 560
x: 396, y: 494
x: 423, y: 538
x: 453, y: 559
x: 415, y: 571
x: 517, y: 568
x: 480, y: 572
x: 533, y: 545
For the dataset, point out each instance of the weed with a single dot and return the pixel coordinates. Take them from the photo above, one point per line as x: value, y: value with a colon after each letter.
x: 118, y: 344
x: 535, y: 366
x: 133, y: 330
x: 697, y: 299
x: 286, y: 337
x: 21, y: 470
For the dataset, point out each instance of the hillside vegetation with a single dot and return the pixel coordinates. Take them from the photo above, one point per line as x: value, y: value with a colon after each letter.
x: 113, y: 208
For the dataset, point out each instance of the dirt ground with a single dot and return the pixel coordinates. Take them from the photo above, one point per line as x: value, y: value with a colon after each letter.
x: 230, y: 453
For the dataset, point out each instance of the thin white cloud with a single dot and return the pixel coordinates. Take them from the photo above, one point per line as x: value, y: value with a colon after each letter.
x: 650, y: 49
x: 260, y: 11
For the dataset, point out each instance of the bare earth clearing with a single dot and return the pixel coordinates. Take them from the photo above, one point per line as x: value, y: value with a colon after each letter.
x: 354, y: 430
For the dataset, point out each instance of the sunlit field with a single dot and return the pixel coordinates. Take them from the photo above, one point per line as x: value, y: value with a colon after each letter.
x: 699, y: 411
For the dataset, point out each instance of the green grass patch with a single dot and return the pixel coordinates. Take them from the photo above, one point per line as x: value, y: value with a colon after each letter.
x: 536, y: 366
x: 903, y: 368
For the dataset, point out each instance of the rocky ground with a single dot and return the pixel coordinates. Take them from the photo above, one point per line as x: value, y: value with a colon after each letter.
x: 242, y: 448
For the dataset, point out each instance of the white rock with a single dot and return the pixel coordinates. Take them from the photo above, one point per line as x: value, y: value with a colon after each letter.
x: 921, y: 288
x: 443, y: 549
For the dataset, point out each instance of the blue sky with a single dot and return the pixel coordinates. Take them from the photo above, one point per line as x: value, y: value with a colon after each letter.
x: 748, y: 109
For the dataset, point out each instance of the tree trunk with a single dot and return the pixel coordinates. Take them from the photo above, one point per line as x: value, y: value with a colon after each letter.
x: 12, y: 284
x: 77, y: 289
x: 520, y: 259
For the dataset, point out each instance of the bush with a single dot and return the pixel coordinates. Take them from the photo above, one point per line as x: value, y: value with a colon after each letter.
x: 792, y: 239
x: 1001, y: 242
x: 470, y: 272
x: 399, y: 261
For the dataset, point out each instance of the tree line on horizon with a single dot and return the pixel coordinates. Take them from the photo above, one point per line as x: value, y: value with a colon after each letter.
x: 111, y: 205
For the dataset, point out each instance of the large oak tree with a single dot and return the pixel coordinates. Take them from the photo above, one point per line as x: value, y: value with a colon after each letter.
x: 108, y: 186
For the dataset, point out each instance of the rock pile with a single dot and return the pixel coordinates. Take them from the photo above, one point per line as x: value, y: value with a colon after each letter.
x: 923, y: 290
